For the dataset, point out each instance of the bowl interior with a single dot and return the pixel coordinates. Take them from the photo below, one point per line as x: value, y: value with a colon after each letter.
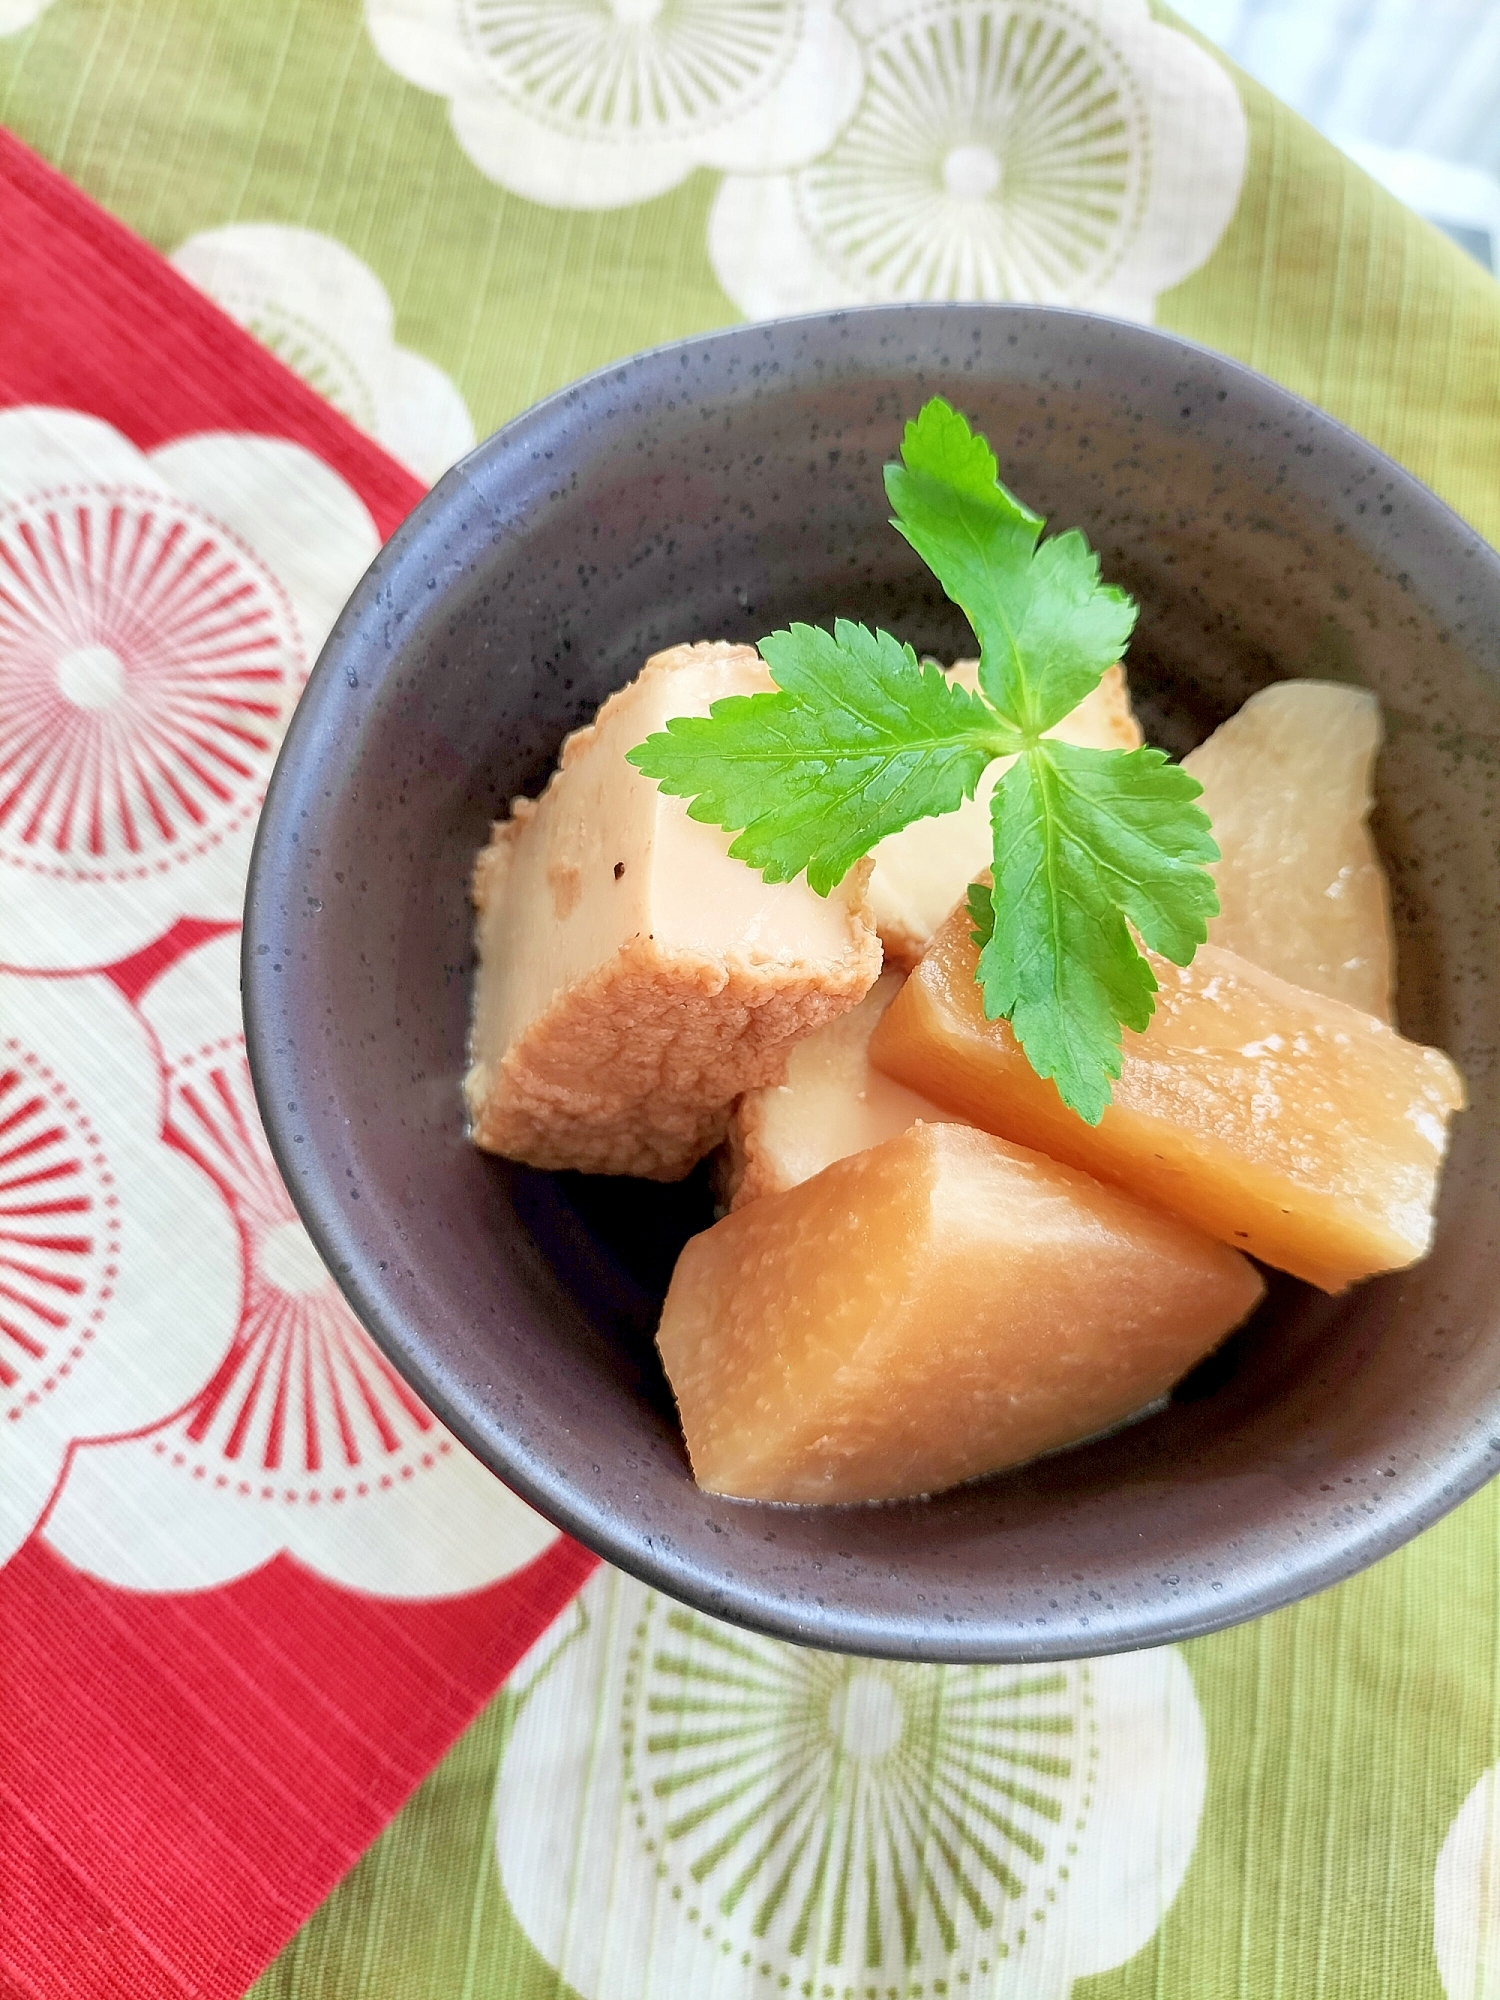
x: 720, y: 489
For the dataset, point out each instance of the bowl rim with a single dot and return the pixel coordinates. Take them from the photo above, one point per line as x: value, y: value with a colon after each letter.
x: 652, y: 1558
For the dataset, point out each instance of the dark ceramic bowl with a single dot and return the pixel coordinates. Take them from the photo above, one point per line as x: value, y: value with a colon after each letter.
x: 722, y: 487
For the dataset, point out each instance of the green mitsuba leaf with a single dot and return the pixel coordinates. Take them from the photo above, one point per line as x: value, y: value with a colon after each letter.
x: 858, y: 741
x: 1087, y: 843
x: 981, y: 907
x: 1092, y: 848
x: 1046, y: 625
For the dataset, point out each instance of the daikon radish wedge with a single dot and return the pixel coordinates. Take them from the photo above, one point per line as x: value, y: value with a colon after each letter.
x: 1296, y: 1128
x: 1288, y: 782
x: 937, y: 1307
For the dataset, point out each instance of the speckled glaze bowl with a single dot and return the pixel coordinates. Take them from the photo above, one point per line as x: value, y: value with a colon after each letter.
x: 722, y: 487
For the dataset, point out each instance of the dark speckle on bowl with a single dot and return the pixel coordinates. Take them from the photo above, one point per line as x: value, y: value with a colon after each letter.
x: 720, y: 488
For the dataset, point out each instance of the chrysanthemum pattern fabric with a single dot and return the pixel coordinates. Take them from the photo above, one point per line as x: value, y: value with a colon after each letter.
x: 1077, y: 154
x: 760, y: 1812
x: 298, y: 1435
x: 1043, y: 153
x: 431, y: 212
x: 192, y: 1414
x: 323, y: 311
x: 159, y: 614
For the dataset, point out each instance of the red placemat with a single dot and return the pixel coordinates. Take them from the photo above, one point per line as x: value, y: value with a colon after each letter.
x: 250, y: 1590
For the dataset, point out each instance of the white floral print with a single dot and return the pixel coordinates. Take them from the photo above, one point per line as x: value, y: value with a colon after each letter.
x: 297, y: 1434
x: 1466, y: 1897
x: 1067, y: 152
x: 159, y: 613
x: 117, y: 1261
x: 18, y: 14
x: 686, y: 1808
x: 323, y: 311
x: 601, y: 103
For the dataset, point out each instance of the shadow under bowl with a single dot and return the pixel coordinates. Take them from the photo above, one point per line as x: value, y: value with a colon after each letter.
x: 721, y: 488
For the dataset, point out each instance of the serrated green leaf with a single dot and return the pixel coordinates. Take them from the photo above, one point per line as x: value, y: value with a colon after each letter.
x: 1047, y: 627
x: 1073, y: 629
x: 981, y: 907
x: 1149, y: 841
x: 1088, y: 842
x: 858, y: 741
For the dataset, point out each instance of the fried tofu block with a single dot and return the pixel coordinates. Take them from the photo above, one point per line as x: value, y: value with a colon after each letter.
x: 939, y: 1306
x: 633, y: 979
x: 833, y: 1102
x: 921, y: 872
x: 1285, y: 1123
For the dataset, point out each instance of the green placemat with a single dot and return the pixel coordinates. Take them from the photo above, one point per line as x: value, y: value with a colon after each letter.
x: 440, y: 209
x: 1340, y: 1740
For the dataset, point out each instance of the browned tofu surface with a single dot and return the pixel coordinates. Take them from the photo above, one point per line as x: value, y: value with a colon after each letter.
x: 633, y: 979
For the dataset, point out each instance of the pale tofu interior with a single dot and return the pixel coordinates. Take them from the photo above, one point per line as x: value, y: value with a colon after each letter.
x: 921, y: 872
x: 604, y: 856
x: 834, y: 1102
